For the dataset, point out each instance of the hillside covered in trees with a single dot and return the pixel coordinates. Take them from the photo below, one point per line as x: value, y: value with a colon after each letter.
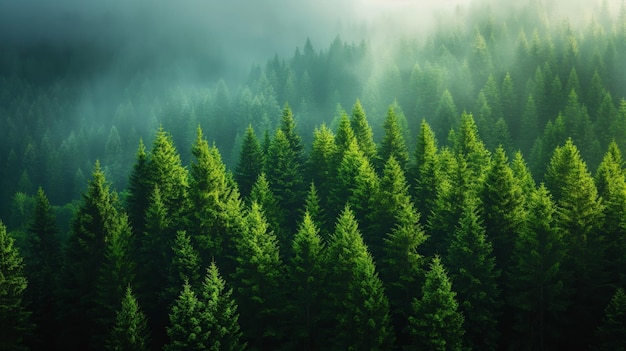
x: 461, y: 187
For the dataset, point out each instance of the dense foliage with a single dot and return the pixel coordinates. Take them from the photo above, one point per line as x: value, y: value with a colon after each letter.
x: 463, y: 190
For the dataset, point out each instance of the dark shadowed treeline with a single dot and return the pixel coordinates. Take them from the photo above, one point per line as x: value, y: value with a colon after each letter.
x: 463, y: 189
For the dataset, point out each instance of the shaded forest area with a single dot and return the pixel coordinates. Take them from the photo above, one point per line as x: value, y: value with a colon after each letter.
x: 460, y: 190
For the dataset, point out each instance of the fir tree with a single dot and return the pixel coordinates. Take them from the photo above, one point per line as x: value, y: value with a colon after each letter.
x: 535, y: 277
x: 305, y: 278
x: 474, y: 275
x: 139, y: 190
x: 185, y: 266
x: 426, y: 175
x: 357, y: 295
x: 322, y: 165
x: 250, y: 162
x: 610, y: 334
x: 130, y: 331
x: 363, y: 132
x: 393, y: 143
x: 42, y: 269
x: 186, y: 323
x: 15, y: 325
x: 436, y: 322
x: 220, y: 316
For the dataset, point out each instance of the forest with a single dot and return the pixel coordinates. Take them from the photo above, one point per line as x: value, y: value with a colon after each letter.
x: 455, y: 186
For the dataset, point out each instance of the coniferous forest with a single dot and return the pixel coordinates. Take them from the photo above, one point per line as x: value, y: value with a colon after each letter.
x: 453, y: 186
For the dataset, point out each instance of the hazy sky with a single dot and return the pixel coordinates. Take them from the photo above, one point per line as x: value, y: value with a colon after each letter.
x: 247, y: 29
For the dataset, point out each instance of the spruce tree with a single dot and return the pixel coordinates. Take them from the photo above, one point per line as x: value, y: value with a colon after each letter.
x: 42, y: 268
x: 258, y: 278
x: 356, y: 293
x: 185, y: 265
x: 185, y: 330
x: 15, y: 326
x: 474, y: 274
x: 250, y: 162
x: 393, y: 143
x: 284, y: 175
x: 436, y: 322
x: 306, y: 282
x: 426, y: 175
x: 139, y: 190
x: 219, y: 314
x: 322, y: 166
x: 92, y: 229
x: 610, y: 181
x: 535, y: 278
x: 363, y: 132
x: 402, y: 266
x: 610, y: 334
x: 274, y: 213
x: 130, y: 331
x: 580, y: 215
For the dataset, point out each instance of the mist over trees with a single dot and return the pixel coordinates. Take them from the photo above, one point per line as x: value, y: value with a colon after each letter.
x: 362, y: 175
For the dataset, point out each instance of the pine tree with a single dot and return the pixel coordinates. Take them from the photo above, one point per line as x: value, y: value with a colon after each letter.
x: 402, y: 268
x: 356, y: 293
x: 363, y: 132
x: 186, y: 322
x: 250, y: 162
x: 426, y: 175
x: 358, y: 186
x: 306, y: 278
x: 139, y: 190
x: 610, y: 334
x: 92, y: 227
x: 117, y: 272
x: 322, y: 165
x: 610, y: 181
x: 130, y: 331
x: 258, y: 277
x: 220, y: 316
x: 474, y: 274
x: 283, y: 171
x: 185, y: 266
x: 15, y: 325
x: 436, y: 322
x: 42, y: 269
x: 535, y: 277
x: 503, y: 207
x: 580, y: 215
x: 274, y: 214
x: 393, y: 143
x: 215, y: 199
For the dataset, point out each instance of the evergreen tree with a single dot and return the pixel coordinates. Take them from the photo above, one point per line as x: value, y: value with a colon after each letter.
x: 305, y: 278
x: 358, y: 186
x: 250, y: 162
x: 42, y: 268
x: 322, y: 165
x: 535, y: 277
x: 344, y: 134
x: 283, y: 171
x: 316, y: 211
x: 469, y: 146
x: 185, y: 266
x: 117, y: 272
x: 274, y: 214
x: 426, y: 174
x: 220, y: 316
x: 139, y: 190
x: 15, y: 325
x: 215, y: 199
x: 393, y: 143
x: 186, y: 323
x: 446, y: 116
x: 580, y: 215
x: 402, y: 266
x: 92, y: 228
x: 356, y: 292
x: 258, y: 278
x: 436, y: 322
x: 130, y: 331
x: 474, y: 274
x: 363, y: 132
x: 610, y: 181
x: 503, y: 207
x: 610, y: 334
